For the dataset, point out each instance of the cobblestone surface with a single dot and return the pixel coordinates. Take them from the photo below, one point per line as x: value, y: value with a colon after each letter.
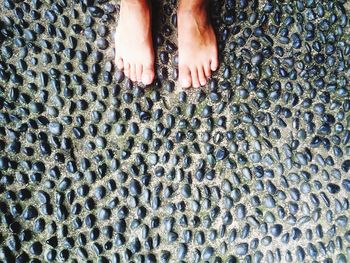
x: 252, y: 168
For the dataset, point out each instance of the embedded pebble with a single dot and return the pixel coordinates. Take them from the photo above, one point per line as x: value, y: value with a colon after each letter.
x: 253, y: 167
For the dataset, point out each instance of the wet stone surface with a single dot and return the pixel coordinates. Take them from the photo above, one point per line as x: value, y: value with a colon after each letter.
x: 252, y: 168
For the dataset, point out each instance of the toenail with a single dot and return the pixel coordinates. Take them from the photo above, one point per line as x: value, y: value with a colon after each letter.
x: 185, y: 82
x: 146, y: 79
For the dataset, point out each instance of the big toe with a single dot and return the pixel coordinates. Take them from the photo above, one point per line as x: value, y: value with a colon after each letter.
x: 147, y: 76
x: 185, y: 76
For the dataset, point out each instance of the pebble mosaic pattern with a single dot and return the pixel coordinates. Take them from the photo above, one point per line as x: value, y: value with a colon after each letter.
x: 252, y: 168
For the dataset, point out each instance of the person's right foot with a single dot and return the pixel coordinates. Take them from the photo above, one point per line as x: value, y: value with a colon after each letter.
x: 198, y: 52
x: 133, y: 41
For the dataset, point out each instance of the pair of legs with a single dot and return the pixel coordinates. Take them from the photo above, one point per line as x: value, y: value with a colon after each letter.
x: 198, y: 55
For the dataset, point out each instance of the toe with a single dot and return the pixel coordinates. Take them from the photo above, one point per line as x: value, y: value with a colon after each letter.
x: 147, y: 75
x: 194, y: 75
x: 139, y: 73
x: 214, y: 64
x: 133, y: 72
x: 127, y: 69
x: 119, y: 63
x: 201, y: 76
x: 185, y: 76
x: 207, y: 70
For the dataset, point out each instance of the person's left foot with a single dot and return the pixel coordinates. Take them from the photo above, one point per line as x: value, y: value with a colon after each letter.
x: 198, y: 54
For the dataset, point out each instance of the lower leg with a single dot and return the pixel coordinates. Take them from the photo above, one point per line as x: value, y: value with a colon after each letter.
x: 197, y: 43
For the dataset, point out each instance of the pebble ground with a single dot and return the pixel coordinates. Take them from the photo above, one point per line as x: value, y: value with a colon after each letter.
x: 254, y: 167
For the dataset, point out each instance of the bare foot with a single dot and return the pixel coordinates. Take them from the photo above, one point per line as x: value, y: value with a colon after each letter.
x: 198, y: 54
x: 134, y: 48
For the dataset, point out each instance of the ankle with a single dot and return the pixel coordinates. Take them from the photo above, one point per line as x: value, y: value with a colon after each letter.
x: 135, y: 3
x: 194, y: 7
x: 189, y: 15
